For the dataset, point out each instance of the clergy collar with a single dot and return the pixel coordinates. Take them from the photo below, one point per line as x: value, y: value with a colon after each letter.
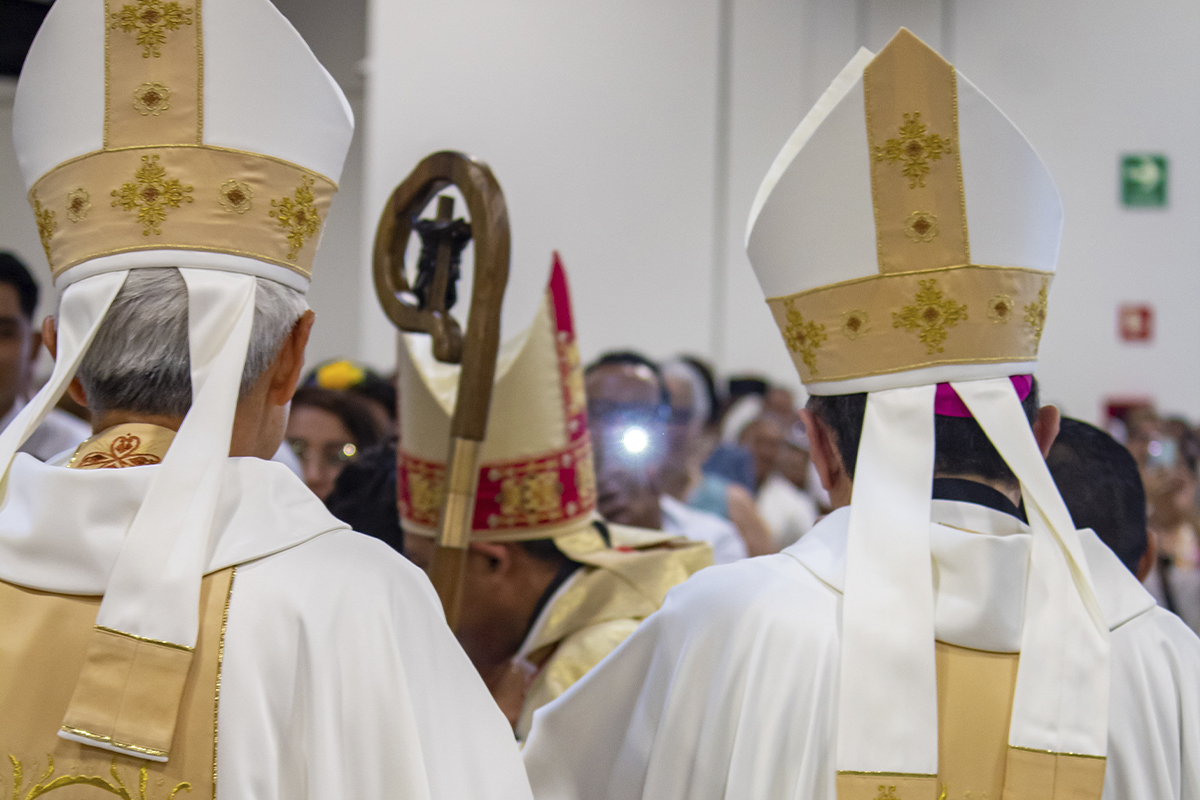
x: 132, y: 444
x: 968, y: 491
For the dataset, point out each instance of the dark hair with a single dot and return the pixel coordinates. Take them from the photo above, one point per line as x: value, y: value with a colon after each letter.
x: 710, y: 387
x: 1100, y: 483
x: 349, y: 408
x: 14, y: 273
x: 962, y: 448
x: 631, y: 358
x: 371, y: 385
x: 364, y: 495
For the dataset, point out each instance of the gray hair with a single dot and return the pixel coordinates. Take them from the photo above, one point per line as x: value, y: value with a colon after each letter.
x: 139, y: 360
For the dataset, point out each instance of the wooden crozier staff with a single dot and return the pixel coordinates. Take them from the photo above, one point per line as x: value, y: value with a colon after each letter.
x: 425, y: 308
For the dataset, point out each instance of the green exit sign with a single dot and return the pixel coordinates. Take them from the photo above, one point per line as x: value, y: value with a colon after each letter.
x: 1144, y: 180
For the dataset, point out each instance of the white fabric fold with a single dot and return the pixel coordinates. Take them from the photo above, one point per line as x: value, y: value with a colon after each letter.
x: 887, y: 696
x: 1061, y: 699
x: 81, y: 310
x: 154, y: 589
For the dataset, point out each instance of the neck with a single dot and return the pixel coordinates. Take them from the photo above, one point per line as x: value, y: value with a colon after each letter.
x: 103, y: 420
x: 1012, y: 492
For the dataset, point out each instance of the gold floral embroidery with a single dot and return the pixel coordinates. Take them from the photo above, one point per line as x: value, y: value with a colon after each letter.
x: 803, y: 337
x: 151, y: 192
x: 79, y: 203
x: 236, y: 196
x: 585, y: 477
x: 932, y: 314
x: 1035, y: 312
x: 533, y: 494
x: 47, y: 783
x: 46, y: 224
x: 886, y: 793
x: 426, y: 493
x: 121, y: 452
x: 151, y: 99
x: 151, y: 19
x: 921, y: 226
x: 298, y: 216
x: 855, y: 324
x: 1000, y: 308
x: 915, y: 148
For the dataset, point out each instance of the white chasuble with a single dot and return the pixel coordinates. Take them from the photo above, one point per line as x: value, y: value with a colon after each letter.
x: 730, y: 691
x: 324, y: 666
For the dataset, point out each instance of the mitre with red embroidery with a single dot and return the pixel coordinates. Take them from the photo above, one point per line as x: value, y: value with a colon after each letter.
x: 536, y: 479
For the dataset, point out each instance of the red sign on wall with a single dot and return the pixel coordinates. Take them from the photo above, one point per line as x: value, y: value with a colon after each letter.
x: 1135, y: 322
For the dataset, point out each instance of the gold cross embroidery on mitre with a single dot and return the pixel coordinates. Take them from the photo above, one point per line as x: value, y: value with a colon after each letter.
x: 915, y: 148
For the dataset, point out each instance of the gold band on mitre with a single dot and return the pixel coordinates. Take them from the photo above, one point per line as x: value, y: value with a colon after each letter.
x: 900, y: 321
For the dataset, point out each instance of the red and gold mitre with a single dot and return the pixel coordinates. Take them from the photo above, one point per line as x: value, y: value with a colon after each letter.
x: 536, y: 479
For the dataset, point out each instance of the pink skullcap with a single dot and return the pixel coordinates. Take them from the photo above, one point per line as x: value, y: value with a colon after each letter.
x: 947, y: 403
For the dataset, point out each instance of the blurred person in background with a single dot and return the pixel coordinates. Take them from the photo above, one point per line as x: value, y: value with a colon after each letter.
x: 682, y: 475
x: 1100, y: 483
x: 788, y: 511
x: 629, y: 409
x: 326, y: 430
x: 20, y: 346
x: 345, y: 375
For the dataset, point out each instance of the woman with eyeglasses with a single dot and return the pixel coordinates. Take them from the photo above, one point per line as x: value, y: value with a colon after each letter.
x: 327, y: 429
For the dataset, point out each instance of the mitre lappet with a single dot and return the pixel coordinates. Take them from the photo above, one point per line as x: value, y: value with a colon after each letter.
x: 906, y: 237
x: 198, y: 134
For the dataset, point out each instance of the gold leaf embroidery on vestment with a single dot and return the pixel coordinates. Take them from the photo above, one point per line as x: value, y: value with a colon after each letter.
x: 236, y: 196
x: 915, y: 148
x: 530, y: 494
x: 886, y: 793
x: 151, y: 99
x: 151, y: 192
x: 46, y: 224
x: 855, y: 324
x: 803, y: 337
x: 426, y: 493
x: 298, y: 216
x: 921, y: 226
x: 79, y: 203
x: 1035, y: 312
x: 1000, y: 308
x: 931, y: 314
x: 151, y: 19
x: 122, y: 452
x: 47, y: 783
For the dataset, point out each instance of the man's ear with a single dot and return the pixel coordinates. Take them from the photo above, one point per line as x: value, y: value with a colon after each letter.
x: 285, y: 372
x: 1045, y: 428
x: 497, y: 556
x: 823, y: 451
x: 49, y: 337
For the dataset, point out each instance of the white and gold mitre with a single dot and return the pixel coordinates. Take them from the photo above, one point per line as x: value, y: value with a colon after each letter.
x: 204, y: 127
x: 905, y: 238
x: 536, y: 479
x: 907, y: 232
x: 197, y: 134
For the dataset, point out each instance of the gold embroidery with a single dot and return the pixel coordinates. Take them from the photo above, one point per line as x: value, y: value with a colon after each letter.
x: 151, y: 19
x: 931, y: 314
x: 151, y: 192
x: 220, y: 664
x: 585, y: 478
x: 121, y: 452
x: 236, y: 196
x: 1035, y: 313
x: 855, y: 324
x: 533, y: 494
x: 47, y: 783
x: 803, y: 337
x: 886, y: 793
x: 915, y: 148
x: 79, y: 203
x: 298, y: 216
x: 151, y: 99
x: 921, y: 226
x: 1000, y: 308
x: 46, y: 224
x: 426, y: 493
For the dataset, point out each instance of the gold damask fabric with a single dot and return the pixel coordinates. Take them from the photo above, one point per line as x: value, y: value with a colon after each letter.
x: 128, y: 445
x: 975, y: 761
x: 44, y: 638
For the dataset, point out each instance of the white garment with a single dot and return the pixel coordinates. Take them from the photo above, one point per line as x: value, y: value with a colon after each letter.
x: 701, y: 526
x: 340, y: 676
x: 730, y: 691
x: 788, y: 512
x: 59, y: 432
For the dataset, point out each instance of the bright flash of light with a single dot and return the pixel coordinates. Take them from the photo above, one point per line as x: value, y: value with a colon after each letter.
x: 635, y: 439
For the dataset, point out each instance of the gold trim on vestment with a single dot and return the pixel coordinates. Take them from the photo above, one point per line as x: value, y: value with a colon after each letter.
x: 98, y: 737
x: 1056, y: 753
x: 181, y: 205
x: 146, y: 639
x: 888, y: 774
x: 923, y: 318
x: 220, y: 664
